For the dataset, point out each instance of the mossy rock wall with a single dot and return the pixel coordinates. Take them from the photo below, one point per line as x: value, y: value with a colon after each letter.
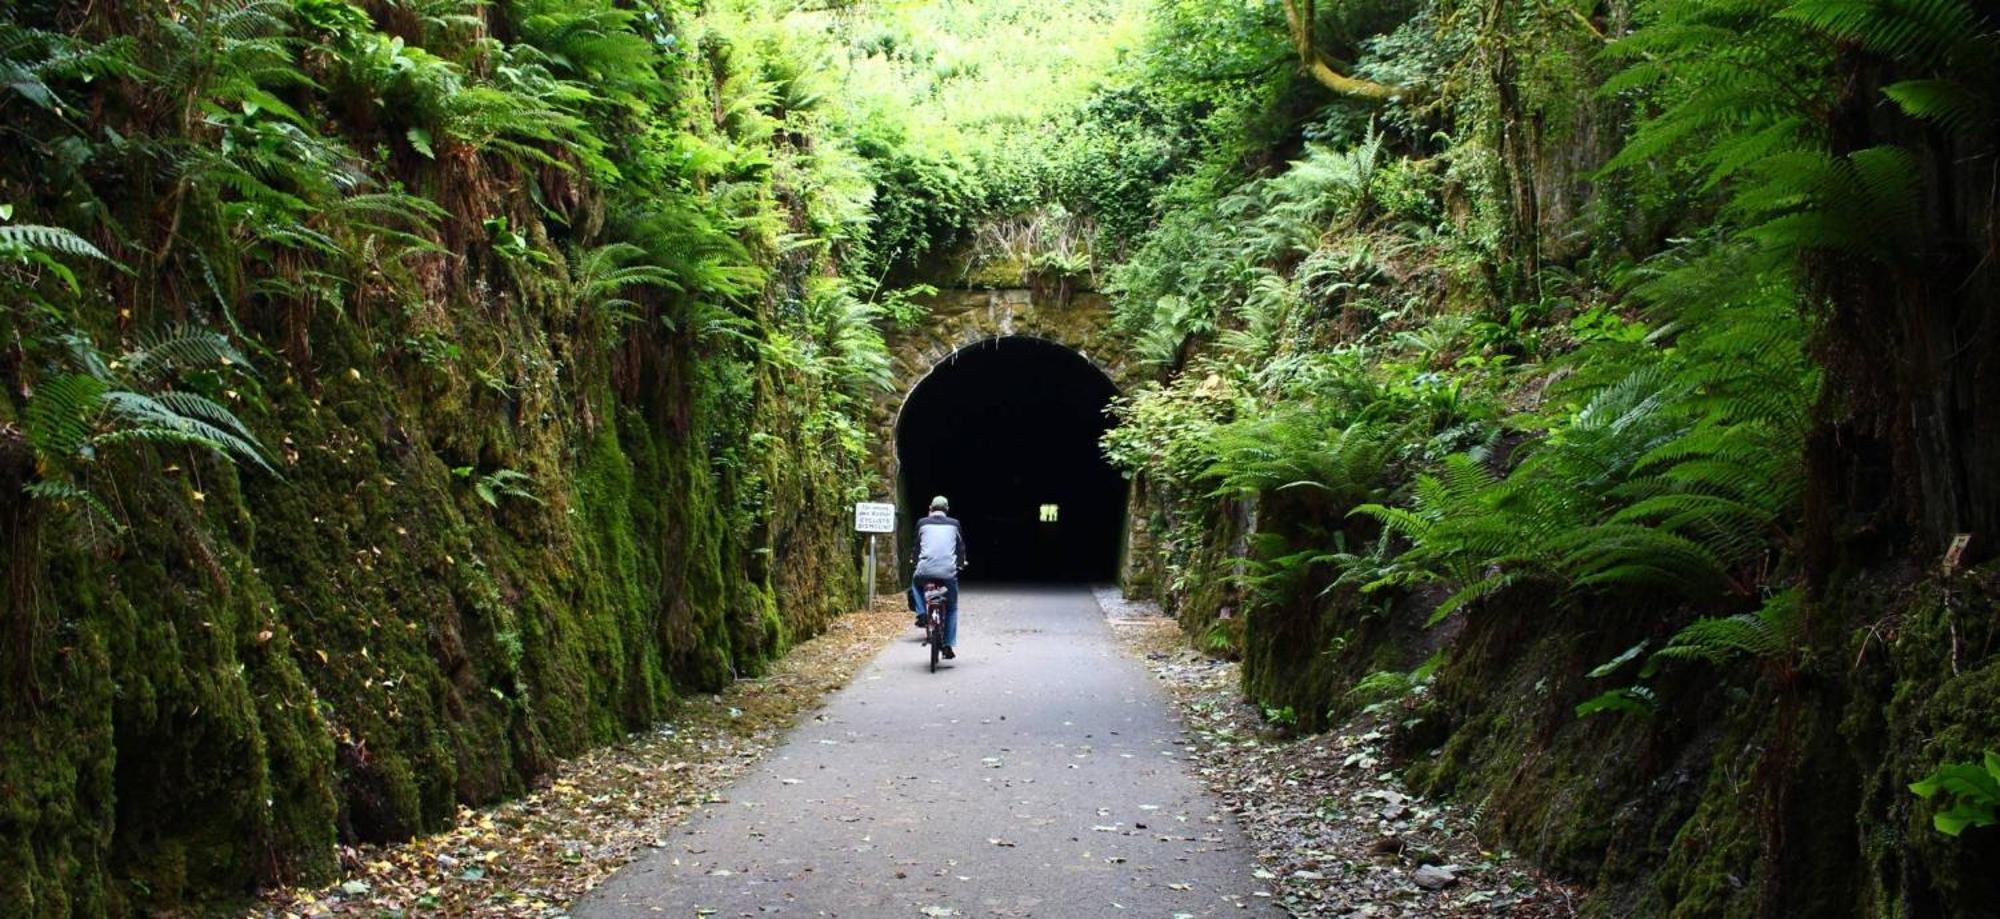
x: 352, y: 647
x: 266, y: 665
x: 1772, y: 788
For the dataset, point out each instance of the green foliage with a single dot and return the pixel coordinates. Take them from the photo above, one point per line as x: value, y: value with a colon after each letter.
x: 844, y: 337
x: 1298, y: 449
x: 1971, y: 789
x: 1749, y: 120
x: 1774, y: 634
x: 603, y: 282
x: 1222, y: 640
x: 21, y: 242
x: 904, y: 307
x: 493, y: 486
x: 1636, y: 699
x: 1387, y: 689
x: 1672, y: 476
x: 1774, y: 631
x: 1209, y: 267
x: 1166, y: 431
x: 87, y: 413
x: 1629, y: 700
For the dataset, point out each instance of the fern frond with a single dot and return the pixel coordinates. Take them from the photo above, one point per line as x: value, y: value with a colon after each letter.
x: 25, y: 236
x: 61, y: 417
x: 180, y: 349
x: 1949, y: 103
x: 1915, y: 30
x: 201, y: 408
x: 1771, y: 632
x: 1471, y: 593
x: 146, y: 417
x: 64, y: 494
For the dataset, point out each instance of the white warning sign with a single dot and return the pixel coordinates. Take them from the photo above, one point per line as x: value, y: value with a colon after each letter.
x: 870, y: 517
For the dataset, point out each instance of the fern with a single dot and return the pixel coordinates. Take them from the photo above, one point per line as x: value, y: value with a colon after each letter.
x: 1627, y: 700
x: 1772, y: 632
x: 1930, y: 30
x: 178, y: 350
x: 61, y: 417
x: 846, y: 344
x: 103, y: 405
x: 1667, y: 475
x: 1949, y: 103
x: 68, y: 497
x: 1301, y: 449
x: 31, y: 238
x: 602, y: 281
x: 492, y: 487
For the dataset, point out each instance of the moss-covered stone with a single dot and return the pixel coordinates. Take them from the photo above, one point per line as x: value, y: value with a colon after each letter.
x: 360, y: 647
x: 1757, y: 787
x: 266, y: 665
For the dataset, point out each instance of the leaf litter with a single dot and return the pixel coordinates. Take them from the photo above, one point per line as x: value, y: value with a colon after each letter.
x: 1336, y: 835
x: 530, y: 857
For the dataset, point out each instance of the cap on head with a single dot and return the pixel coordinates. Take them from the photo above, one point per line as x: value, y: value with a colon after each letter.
x: 940, y: 504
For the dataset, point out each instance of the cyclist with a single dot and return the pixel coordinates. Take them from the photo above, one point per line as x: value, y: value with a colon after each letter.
x: 940, y: 554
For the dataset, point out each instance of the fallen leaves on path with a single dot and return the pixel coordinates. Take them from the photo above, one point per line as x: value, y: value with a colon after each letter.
x: 1337, y: 835
x: 530, y: 857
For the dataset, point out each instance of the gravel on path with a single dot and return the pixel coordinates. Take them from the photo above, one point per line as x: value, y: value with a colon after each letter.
x: 1336, y: 832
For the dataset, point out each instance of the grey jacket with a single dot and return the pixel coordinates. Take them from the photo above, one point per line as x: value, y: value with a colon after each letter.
x: 940, y: 547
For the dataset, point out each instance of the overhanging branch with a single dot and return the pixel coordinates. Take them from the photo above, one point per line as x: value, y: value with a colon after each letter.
x: 1327, y: 71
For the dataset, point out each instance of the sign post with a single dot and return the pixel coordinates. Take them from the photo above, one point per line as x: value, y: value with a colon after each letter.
x: 873, y: 518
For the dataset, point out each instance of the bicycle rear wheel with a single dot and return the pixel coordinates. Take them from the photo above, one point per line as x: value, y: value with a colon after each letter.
x: 936, y: 641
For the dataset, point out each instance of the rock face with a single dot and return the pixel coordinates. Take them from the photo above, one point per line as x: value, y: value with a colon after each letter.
x: 502, y: 529
x: 358, y: 648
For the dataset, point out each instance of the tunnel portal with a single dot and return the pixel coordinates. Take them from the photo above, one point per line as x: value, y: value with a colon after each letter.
x: 1008, y: 429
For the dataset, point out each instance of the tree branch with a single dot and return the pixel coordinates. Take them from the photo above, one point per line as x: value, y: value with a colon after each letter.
x: 1327, y: 71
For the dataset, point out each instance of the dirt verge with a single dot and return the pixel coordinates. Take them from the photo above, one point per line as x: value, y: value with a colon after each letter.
x: 1337, y: 833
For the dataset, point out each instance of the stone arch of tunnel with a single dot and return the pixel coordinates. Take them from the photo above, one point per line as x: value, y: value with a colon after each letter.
x: 1008, y: 428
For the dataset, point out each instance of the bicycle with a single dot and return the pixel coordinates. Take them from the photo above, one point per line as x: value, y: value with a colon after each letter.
x: 935, y: 594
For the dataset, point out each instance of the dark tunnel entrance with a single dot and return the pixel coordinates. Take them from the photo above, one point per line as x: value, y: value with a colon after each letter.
x: 1008, y: 429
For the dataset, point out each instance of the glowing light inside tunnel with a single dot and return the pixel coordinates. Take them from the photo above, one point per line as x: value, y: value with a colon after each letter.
x: 1051, y: 513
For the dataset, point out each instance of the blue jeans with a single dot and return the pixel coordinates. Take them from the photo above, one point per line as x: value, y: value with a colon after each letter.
x: 950, y: 605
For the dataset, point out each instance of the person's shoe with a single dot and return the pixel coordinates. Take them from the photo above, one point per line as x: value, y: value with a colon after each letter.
x: 921, y: 621
x: 947, y: 653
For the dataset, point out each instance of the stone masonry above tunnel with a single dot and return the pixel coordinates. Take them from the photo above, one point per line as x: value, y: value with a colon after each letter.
x: 958, y: 318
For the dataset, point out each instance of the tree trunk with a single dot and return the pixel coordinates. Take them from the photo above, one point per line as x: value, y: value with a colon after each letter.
x: 1518, y: 143
x: 1905, y: 450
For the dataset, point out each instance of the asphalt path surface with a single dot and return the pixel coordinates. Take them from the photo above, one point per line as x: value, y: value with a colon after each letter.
x: 1039, y: 774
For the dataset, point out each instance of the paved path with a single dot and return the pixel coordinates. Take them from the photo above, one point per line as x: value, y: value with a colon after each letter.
x: 1040, y: 775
